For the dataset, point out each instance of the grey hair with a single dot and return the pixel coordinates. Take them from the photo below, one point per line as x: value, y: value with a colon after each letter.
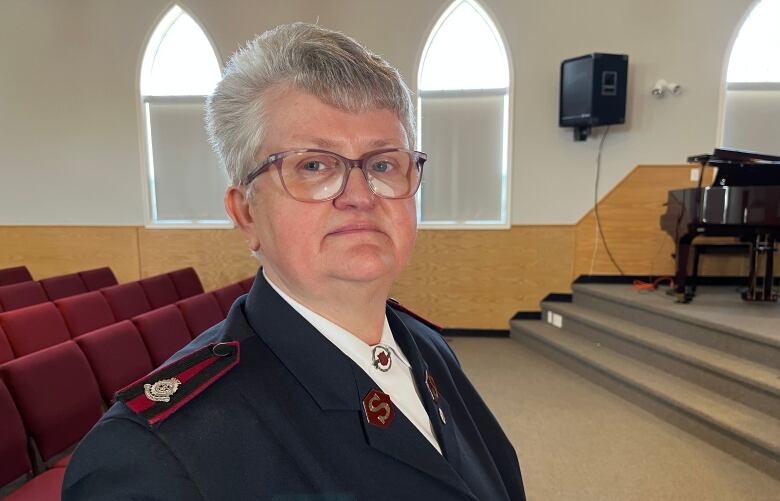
x: 327, y: 64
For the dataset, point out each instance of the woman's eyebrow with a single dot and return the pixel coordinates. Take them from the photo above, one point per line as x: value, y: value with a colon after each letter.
x: 324, y: 143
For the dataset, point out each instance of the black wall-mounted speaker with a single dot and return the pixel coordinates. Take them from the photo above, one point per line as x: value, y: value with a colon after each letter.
x: 593, y: 91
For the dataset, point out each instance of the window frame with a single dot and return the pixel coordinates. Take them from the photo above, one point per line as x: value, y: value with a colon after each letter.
x: 145, y: 140
x: 508, y: 119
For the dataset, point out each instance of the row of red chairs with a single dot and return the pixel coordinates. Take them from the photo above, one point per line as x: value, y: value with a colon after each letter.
x: 55, y: 395
x: 30, y: 292
x: 32, y: 328
x: 14, y: 275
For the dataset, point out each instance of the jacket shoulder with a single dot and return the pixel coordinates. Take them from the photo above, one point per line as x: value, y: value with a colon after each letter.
x: 162, y: 392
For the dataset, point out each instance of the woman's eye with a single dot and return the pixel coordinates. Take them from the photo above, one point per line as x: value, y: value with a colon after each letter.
x: 382, y: 166
x: 313, y: 165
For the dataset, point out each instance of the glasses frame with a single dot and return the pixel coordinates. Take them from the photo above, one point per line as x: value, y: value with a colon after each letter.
x: 418, y: 157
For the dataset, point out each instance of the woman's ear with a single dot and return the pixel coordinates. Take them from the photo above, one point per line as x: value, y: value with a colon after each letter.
x: 239, y: 210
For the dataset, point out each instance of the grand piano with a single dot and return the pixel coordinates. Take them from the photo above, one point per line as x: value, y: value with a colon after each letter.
x: 742, y: 202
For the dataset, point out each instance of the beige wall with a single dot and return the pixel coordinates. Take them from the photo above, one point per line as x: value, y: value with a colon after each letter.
x: 70, y: 140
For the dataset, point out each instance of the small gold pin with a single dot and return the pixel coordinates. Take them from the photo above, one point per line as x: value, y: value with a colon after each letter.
x: 162, y: 390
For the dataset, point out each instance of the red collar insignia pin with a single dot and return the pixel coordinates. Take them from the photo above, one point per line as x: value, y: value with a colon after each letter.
x: 431, y: 384
x: 379, y: 408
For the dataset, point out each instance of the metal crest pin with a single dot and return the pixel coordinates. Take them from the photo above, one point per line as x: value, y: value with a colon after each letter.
x: 381, y: 358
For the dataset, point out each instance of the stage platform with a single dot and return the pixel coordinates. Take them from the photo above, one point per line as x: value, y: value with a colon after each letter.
x: 711, y: 366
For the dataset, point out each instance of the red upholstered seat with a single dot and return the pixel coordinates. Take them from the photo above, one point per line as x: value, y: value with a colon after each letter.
x: 63, y: 286
x: 246, y: 283
x: 164, y: 332
x: 159, y: 290
x: 56, y: 394
x: 117, y: 355
x: 14, y: 275
x: 13, y: 440
x: 85, y: 312
x: 34, y: 328
x: 186, y: 282
x: 6, y: 353
x: 23, y: 294
x: 45, y: 487
x: 98, y: 278
x: 227, y: 295
x: 126, y: 300
x: 200, y: 312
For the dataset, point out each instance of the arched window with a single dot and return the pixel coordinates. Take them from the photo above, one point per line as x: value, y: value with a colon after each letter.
x: 463, y: 106
x: 752, y: 109
x: 180, y: 67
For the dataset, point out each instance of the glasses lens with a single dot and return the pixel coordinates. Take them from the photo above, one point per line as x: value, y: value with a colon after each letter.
x: 312, y: 176
x: 393, y: 174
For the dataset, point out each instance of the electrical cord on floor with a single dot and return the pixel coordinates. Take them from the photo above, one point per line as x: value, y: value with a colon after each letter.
x: 596, y: 206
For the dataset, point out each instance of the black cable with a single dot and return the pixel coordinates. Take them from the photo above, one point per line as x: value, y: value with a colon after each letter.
x: 596, y: 202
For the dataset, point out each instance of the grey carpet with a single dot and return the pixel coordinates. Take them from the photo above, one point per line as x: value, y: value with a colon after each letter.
x: 578, y: 441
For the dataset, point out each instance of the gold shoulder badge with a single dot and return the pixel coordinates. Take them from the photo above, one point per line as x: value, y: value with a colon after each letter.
x: 162, y: 390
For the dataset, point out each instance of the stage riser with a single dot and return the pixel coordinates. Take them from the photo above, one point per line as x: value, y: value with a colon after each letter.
x: 720, y: 340
x: 720, y: 437
x: 724, y: 384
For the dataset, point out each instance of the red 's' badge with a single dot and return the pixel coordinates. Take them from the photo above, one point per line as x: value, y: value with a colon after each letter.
x: 379, y: 408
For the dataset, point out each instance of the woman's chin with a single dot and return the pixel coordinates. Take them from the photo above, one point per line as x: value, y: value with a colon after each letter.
x: 366, y: 267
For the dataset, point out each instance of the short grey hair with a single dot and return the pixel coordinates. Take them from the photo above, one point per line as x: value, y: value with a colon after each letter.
x: 327, y: 64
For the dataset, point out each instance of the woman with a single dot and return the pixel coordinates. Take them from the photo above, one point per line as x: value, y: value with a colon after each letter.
x: 314, y: 387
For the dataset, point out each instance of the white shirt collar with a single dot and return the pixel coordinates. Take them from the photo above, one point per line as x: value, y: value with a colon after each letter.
x: 351, y: 345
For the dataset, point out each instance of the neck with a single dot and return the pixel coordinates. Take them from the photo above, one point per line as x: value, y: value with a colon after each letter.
x: 359, y: 308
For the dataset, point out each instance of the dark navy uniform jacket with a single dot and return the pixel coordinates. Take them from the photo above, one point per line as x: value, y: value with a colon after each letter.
x: 288, y: 423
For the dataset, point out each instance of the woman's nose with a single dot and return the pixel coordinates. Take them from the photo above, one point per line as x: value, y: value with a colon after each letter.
x: 356, y: 193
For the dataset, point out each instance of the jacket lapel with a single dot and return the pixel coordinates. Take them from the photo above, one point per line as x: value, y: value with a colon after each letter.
x: 404, y: 442
x: 437, y: 408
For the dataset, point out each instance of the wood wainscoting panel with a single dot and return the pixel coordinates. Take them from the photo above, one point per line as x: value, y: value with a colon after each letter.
x: 630, y: 220
x: 56, y: 250
x: 478, y: 279
x: 220, y: 256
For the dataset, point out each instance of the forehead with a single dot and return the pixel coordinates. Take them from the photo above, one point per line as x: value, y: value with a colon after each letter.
x: 295, y: 118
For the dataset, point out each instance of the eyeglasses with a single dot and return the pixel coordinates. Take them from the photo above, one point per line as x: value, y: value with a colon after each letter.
x: 310, y: 175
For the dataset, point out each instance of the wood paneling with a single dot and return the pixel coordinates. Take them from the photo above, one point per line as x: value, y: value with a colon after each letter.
x: 55, y: 250
x: 479, y: 279
x: 460, y: 279
x: 630, y: 220
x: 219, y: 256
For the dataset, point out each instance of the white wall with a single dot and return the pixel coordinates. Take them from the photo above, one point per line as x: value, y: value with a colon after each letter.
x: 70, y: 141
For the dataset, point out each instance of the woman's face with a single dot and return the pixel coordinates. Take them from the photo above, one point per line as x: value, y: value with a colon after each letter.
x: 356, y: 237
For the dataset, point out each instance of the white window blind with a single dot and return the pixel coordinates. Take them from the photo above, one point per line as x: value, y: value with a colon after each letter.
x: 187, y: 181
x: 464, y: 181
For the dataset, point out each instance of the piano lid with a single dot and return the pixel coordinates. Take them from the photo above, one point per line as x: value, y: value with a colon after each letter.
x: 741, y: 168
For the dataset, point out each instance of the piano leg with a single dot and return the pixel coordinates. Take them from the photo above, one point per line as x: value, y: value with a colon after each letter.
x: 761, y: 288
x: 769, y: 280
x: 683, y: 291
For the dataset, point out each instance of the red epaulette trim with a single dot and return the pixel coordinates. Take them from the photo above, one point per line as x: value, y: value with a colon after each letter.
x: 162, y: 392
x: 393, y: 303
